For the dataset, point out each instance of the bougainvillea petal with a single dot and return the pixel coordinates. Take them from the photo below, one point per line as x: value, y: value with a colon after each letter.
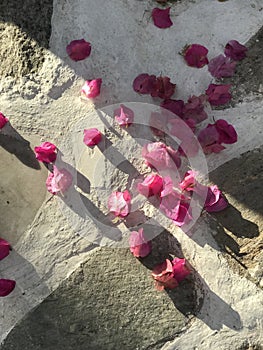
x: 180, y: 270
x: 159, y: 156
x: 167, y: 186
x: 227, y: 133
x: 170, y: 205
x: 215, y: 201
x: 194, y: 108
x: 209, y: 139
x: 161, y: 17
x: 235, y: 50
x: 4, y: 248
x: 158, y: 123
x: 46, y: 152
x: 78, y: 49
x: 163, y: 276
x: 163, y: 88
x: 139, y: 246
x: 144, y: 83
x: 119, y: 203
x: 152, y: 185
x: 222, y: 67
x: 58, y: 181
x: 218, y: 94
x: 124, y: 116
x: 92, y: 137
x: 175, y: 106
x: 3, y: 120
x: 195, y: 55
x: 91, y: 88
x: 6, y: 287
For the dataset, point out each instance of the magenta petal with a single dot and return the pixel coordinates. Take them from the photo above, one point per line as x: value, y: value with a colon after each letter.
x: 124, y: 116
x: 215, y: 201
x: 161, y: 17
x: 139, y: 246
x: 46, y: 152
x: 119, y: 203
x: 152, y: 185
x: 3, y: 120
x: 145, y: 83
x: 194, y: 108
x: 163, y: 88
x: 170, y: 205
x: 159, y: 156
x: 209, y: 139
x: 175, y: 106
x: 6, y: 287
x: 221, y: 67
x: 180, y: 271
x: 195, y: 55
x: 218, y: 94
x: 235, y: 50
x: 78, y: 49
x: 4, y: 248
x: 58, y: 181
x: 184, y: 215
x: 227, y: 133
x: 92, y: 137
x: 91, y: 88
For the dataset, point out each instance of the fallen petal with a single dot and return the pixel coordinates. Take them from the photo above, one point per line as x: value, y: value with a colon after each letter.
x: 161, y: 17
x: 124, y: 116
x: 218, y: 94
x: 180, y: 271
x: 3, y: 120
x: 6, y: 287
x: 92, y: 137
x: 152, y: 185
x: 222, y: 67
x: 4, y: 248
x: 139, y: 246
x: 235, y: 50
x: 91, y: 88
x: 78, y: 49
x: 46, y: 152
x: 119, y: 203
x: 195, y: 55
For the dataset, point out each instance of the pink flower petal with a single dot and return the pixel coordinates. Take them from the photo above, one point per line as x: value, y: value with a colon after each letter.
x: 78, y: 49
x: 175, y: 106
x: 159, y: 156
x: 145, y: 83
x: 158, y: 123
x: 221, y: 67
x: 119, y: 203
x: 91, y: 88
x: 3, y: 120
x: 227, y: 133
x: 4, y: 248
x: 163, y: 276
x: 58, y: 181
x: 124, y: 116
x: 92, y: 137
x: 184, y: 215
x: 215, y: 201
x: 218, y: 94
x: 194, y: 108
x: 46, y: 152
x: 209, y: 139
x: 235, y: 50
x: 163, y: 88
x: 161, y: 17
x: 167, y: 186
x: 6, y: 287
x: 180, y: 271
x: 170, y: 205
x: 195, y: 55
x: 139, y: 246
x: 152, y: 185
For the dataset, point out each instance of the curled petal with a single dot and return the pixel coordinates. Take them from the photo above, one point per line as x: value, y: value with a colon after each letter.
x: 167, y: 186
x: 194, y: 108
x: 78, y: 49
x: 163, y: 276
x: 119, y: 203
x: 235, y: 50
x: 161, y: 17
x: 124, y: 116
x: 58, y: 181
x: 180, y: 271
x: 91, y: 88
x: 170, y: 205
x: 46, y: 152
x: 215, y: 201
x: 139, y: 246
x: 152, y: 185
x: 209, y: 139
x: 6, y: 287
x: 195, y: 55
x: 92, y: 137
x: 163, y: 88
x: 4, y: 248
x: 3, y: 120
x: 218, y: 94
x: 227, y: 133
x: 222, y: 67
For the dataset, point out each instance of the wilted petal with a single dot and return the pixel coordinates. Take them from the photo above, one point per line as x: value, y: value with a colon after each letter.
x: 227, y: 133
x: 167, y: 186
x: 163, y: 276
x: 58, y: 181
x: 144, y: 83
x: 159, y: 156
x: 170, y: 205
x: 91, y: 88
x: 209, y: 139
x: 180, y: 271
x: 163, y: 88
x: 158, y: 123
x: 175, y: 106
x: 78, y: 49
x: 124, y: 116
x: 6, y: 287
x: 184, y: 215
x: 218, y: 94
x: 222, y: 67
x: 3, y: 120
x: 161, y: 17
x: 46, y: 152
x: 139, y: 246
x: 119, y: 203
x: 195, y: 55
x: 4, y: 248
x: 194, y: 108
x: 215, y: 201
x: 92, y: 137
x: 152, y: 185
x: 235, y: 50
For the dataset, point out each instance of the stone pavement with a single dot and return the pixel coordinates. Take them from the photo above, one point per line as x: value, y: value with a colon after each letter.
x: 71, y: 293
